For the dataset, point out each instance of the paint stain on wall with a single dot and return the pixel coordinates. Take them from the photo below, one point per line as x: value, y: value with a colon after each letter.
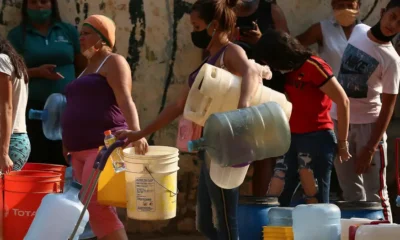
x: 180, y: 9
x: 138, y: 21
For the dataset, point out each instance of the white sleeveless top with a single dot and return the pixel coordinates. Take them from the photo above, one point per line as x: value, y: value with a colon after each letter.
x: 333, y: 45
x: 19, y: 95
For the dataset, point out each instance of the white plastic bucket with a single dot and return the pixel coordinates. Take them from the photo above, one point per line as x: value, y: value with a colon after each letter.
x: 151, y: 183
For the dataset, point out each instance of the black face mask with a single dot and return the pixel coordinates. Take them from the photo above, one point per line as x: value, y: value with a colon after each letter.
x: 201, y: 39
x: 377, y: 33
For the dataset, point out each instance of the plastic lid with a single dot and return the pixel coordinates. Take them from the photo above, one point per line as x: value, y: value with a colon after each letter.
x: 358, y: 205
x: 190, y: 146
x: 195, y: 145
x: 252, y: 200
x: 107, y: 133
x: 76, y: 185
x: 35, y: 114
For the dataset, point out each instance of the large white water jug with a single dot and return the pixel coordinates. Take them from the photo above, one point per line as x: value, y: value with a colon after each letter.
x: 57, y: 216
x: 316, y: 222
x: 217, y: 90
x: 378, y: 232
x: 347, y: 223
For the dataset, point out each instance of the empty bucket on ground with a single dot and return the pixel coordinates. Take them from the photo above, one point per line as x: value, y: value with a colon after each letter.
x: 151, y: 183
x: 23, y: 193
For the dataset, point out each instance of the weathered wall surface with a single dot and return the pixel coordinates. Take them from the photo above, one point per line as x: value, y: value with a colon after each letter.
x: 154, y: 35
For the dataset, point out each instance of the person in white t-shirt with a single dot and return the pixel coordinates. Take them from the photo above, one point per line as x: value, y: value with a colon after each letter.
x: 331, y: 34
x: 14, y: 142
x: 370, y: 74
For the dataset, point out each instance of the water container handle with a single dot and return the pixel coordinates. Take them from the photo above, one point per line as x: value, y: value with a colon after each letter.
x: 200, y: 113
x: 352, y: 232
x: 378, y: 222
x: 105, y: 153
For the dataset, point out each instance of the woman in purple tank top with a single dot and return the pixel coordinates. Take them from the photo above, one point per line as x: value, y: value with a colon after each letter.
x: 99, y: 100
x: 212, y: 22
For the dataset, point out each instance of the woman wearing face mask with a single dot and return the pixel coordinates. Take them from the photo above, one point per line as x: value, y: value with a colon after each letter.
x: 311, y: 87
x: 99, y: 100
x: 51, y: 52
x: 332, y: 34
x: 212, y: 23
x: 14, y: 142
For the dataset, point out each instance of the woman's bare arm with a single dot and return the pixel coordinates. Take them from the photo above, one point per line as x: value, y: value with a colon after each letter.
x: 236, y: 61
x: 6, y: 112
x: 120, y: 80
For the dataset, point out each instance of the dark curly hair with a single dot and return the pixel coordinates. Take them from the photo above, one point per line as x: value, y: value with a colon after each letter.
x: 16, y: 60
x: 280, y: 51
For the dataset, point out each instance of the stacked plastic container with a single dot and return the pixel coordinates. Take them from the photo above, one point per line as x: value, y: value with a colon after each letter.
x: 278, y: 233
x: 280, y: 224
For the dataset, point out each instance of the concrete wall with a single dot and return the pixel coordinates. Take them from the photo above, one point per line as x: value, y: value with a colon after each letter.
x: 154, y: 35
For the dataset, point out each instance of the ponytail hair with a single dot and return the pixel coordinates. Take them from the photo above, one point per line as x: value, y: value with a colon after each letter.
x: 220, y: 10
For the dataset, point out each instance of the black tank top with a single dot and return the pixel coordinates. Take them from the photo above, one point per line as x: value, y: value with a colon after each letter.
x: 263, y: 17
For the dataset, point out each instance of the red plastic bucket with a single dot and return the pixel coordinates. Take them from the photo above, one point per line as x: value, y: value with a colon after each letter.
x: 47, y: 167
x: 23, y: 193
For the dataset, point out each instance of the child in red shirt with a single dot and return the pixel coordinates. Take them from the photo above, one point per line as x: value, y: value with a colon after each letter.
x: 311, y: 87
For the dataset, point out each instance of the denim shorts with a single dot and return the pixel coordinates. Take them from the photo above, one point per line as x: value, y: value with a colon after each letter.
x: 19, y: 150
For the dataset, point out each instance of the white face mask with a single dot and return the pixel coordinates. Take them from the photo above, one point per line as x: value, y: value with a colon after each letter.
x: 346, y: 17
x: 88, y: 53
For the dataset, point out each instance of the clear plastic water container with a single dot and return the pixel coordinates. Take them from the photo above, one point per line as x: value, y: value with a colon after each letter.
x: 280, y: 217
x: 69, y: 178
x: 316, y: 222
x: 245, y: 135
x: 51, y: 116
x: 57, y: 216
x: 217, y: 90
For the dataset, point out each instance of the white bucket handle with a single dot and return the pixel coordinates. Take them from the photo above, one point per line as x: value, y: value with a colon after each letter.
x: 148, y: 171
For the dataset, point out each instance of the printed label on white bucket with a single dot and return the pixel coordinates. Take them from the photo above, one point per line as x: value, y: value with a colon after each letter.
x: 145, y: 194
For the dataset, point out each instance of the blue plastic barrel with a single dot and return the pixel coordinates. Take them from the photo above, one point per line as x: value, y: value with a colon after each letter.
x: 361, y: 209
x: 253, y: 215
